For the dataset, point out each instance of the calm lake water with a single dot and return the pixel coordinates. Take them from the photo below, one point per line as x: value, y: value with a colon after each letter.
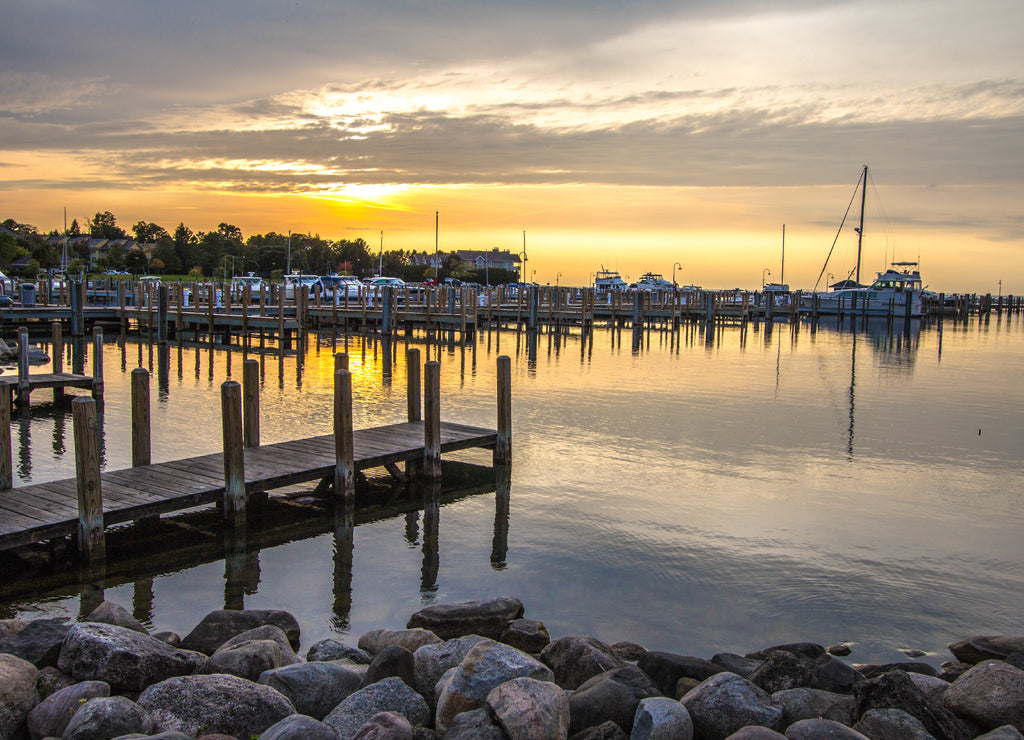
x: 694, y: 492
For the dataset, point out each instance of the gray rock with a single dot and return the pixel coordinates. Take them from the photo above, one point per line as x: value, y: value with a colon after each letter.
x: 333, y: 650
x: 11, y: 626
x: 389, y: 695
x: 125, y: 659
x: 992, y: 647
x: 527, y: 635
x: 430, y: 663
x: 198, y: 705
x: 486, y: 617
x: 574, y: 659
x: 38, y: 642
x: 528, y: 709
x: 50, y: 717
x: 895, y: 690
x: 385, y: 726
x: 891, y: 724
x: 298, y: 727
x: 803, y: 703
x: 753, y: 732
x: 738, y: 664
x: 783, y: 670
x: 487, y: 665
x: 314, y: 689
x: 604, y: 731
x: 665, y: 669
x: 394, y: 660
x: 724, y: 703
x: 51, y: 680
x: 108, y: 716
x: 907, y: 666
x: 628, y: 651
x: 477, y: 724
x: 952, y: 670
x: 171, y: 735
x: 613, y: 695
x: 110, y: 613
x: 247, y: 660
x: 171, y: 638
x: 219, y: 626
x: 991, y: 694
x: 1006, y: 732
x: 265, y: 632
x: 18, y: 693
x: 661, y: 718
x: 841, y: 649
x: 931, y: 686
x: 424, y: 733
x: 822, y: 729
x: 412, y: 639
x: 830, y: 673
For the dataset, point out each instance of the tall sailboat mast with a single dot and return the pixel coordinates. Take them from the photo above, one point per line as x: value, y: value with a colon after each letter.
x: 782, y: 277
x: 860, y: 230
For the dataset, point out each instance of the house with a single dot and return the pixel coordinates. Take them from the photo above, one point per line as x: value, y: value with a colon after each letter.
x: 493, y: 259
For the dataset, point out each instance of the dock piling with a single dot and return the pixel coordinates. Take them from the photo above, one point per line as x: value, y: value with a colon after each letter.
x: 234, y: 458
x: 344, y: 456
x: 140, y: 417
x: 6, y: 460
x: 503, y: 445
x: 432, y: 420
x: 97, y: 364
x: 251, y: 401
x: 91, y: 538
x: 57, y: 350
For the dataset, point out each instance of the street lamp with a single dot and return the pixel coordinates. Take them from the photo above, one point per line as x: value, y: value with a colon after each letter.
x: 380, y: 263
x: 829, y: 281
x: 559, y: 275
x: 532, y: 273
x: 288, y: 266
x: 674, y: 272
x: 764, y: 272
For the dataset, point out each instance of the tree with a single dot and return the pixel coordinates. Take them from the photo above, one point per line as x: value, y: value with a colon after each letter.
x: 135, y: 262
x: 115, y: 257
x: 75, y: 229
x: 184, y: 245
x: 10, y: 250
x: 104, y: 226
x: 148, y: 233
x: 156, y: 265
x: 165, y: 252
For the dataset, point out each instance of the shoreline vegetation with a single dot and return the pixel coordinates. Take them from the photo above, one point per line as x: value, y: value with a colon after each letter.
x: 477, y: 669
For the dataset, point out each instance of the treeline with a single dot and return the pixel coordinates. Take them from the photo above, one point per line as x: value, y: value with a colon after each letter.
x: 220, y: 253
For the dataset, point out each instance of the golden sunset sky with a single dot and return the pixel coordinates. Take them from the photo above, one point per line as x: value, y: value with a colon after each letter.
x: 636, y: 136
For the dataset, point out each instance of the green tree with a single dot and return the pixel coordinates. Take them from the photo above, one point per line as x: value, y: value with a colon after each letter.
x: 104, y: 226
x: 10, y: 250
x: 75, y: 229
x: 148, y: 233
x: 156, y: 266
x: 166, y: 253
x: 115, y: 257
x: 184, y: 245
x: 135, y: 262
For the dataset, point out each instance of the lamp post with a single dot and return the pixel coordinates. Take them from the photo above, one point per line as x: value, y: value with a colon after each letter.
x: 829, y: 280
x: 674, y: 272
x: 522, y: 267
x: 380, y: 262
x: 532, y: 273
x: 557, y: 277
x: 764, y: 272
x: 288, y: 266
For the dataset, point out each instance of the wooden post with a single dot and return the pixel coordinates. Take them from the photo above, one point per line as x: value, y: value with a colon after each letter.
x: 140, y: 417
x: 251, y: 401
x: 210, y: 310
x: 340, y: 361
x: 344, y: 465
x: 413, y: 394
x: 6, y: 461
x: 57, y: 350
x: 432, y: 420
x: 97, y: 363
x: 91, y: 540
x: 24, y: 388
x: 503, y: 445
x: 234, y: 457
x: 161, y: 312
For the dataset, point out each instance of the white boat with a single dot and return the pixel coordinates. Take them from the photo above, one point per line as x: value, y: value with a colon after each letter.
x: 239, y: 282
x: 339, y: 286
x: 651, y: 281
x: 607, y: 282
x: 301, y: 281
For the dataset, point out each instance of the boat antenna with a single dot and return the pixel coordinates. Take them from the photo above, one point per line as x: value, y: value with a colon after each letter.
x: 838, y: 232
x: 860, y: 230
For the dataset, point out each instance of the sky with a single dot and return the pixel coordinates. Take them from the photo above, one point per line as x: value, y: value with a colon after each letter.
x: 651, y: 136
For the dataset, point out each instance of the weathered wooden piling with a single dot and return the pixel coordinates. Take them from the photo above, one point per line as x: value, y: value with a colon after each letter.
x: 140, y: 417
x: 432, y: 420
x: 97, y: 363
x: 251, y: 403
x: 6, y: 460
x: 91, y: 537
x: 24, y: 389
x: 234, y: 504
x: 57, y: 358
x: 413, y: 400
x: 344, y: 455
x: 503, y: 444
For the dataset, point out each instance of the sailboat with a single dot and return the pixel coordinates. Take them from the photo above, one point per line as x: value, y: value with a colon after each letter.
x: 892, y: 292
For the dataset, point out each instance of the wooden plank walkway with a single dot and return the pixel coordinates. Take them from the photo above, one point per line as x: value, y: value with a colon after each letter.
x: 44, y: 511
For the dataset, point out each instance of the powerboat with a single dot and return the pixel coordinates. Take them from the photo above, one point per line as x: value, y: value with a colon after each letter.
x: 890, y: 292
x: 607, y: 282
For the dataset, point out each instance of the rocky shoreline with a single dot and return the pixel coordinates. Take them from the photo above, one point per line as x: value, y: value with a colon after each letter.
x: 475, y: 670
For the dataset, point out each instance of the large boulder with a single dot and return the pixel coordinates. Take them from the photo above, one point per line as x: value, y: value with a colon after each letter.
x: 822, y: 729
x: 18, y: 693
x: 331, y: 649
x: 783, y: 670
x: 389, y: 695
x: 50, y: 717
x: 394, y: 660
x: 487, y: 665
x: 894, y: 690
x: 724, y: 703
x: 430, y: 663
x: 1006, y: 732
x: 202, y: 705
x: 991, y: 694
x: 610, y: 696
x: 754, y: 732
x: 38, y: 642
x: 907, y: 666
x: 246, y: 660
x: 374, y: 641
x: 108, y: 716
x: 314, y: 688
x: 486, y: 617
x: 990, y: 647
x: 738, y: 664
x: 531, y: 710
x: 10, y: 626
x: 665, y: 669
x: 265, y: 632
x: 385, y: 726
x: 110, y: 613
x: 661, y: 718
x: 804, y: 703
x: 527, y: 635
x: 575, y: 659
x: 219, y: 626
x: 891, y: 724
x: 830, y: 673
x: 298, y: 727
x: 478, y: 724
x: 125, y: 659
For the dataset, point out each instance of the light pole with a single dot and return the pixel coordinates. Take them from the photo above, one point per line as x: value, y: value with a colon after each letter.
x: 674, y: 272
x: 557, y: 277
x: 829, y: 282
x: 380, y: 262
x: 522, y: 267
x: 764, y: 272
x: 288, y: 266
x: 532, y: 273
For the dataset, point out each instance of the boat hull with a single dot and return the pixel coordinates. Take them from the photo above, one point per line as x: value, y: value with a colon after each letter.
x: 865, y: 301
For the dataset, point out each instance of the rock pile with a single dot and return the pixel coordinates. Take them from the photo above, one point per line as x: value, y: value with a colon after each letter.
x: 475, y: 670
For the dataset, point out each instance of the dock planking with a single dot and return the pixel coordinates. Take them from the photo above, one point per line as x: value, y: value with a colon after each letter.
x: 49, y: 510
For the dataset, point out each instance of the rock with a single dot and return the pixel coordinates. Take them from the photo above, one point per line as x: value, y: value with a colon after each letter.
x: 108, y: 716
x: 110, y: 613
x: 11, y: 626
x: 871, y: 671
x: 197, y: 705
x: 475, y: 725
x: 931, y: 686
x: 389, y: 695
x: 952, y: 670
x: 50, y: 717
x: 486, y: 617
x: 1016, y: 660
x: 424, y: 733
x: 412, y: 639
x: 38, y: 642
x: 385, y: 726
x: 822, y: 729
x: 665, y: 669
x: 298, y: 727
x: 1006, y: 732
x: 895, y: 690
x: 783, y: 670
x: 314, y: 689
x: 661, y: 718
x: 219, y: 626
x: 265, y: 632
x: 725, y: 702
x: 738, y: 664
x: 993, y: 647
x: 527, y: 635
x: 803, y: 703
x: 18, y: 694
x: 528, y: 709
x: 247, y: 660
x: 613, y: 695
x: 394, y: 660
x: 753, y: 732
x: 171, y: 735
x: 430, y: 663
x: 171, y: 638
x: 488, y: 664
x: 52, y: 680
x: 125, y: 659
x: 991, y: 694
x: 604, y: 731
x: 891, y: 724
x: 841, y: 650
x: 575, y: 659
x: 830, y: 673
x: 628, y: 651
x: 333, y: 650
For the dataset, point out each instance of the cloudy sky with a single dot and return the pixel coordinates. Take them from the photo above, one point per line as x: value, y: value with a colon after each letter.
x: 634, y: 135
